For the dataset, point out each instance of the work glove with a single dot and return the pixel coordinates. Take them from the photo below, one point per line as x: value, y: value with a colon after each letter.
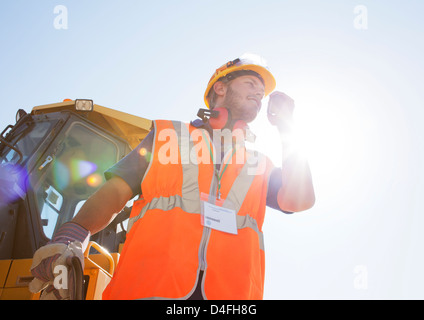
x: 50, y: 265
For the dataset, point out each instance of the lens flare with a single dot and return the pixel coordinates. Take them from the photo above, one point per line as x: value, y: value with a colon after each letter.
x: 144, y: 153
x: 12, y: 183
x: 94, y: 180
x: 61, y: 175
x: 72, y: 171
x: 81, y: 168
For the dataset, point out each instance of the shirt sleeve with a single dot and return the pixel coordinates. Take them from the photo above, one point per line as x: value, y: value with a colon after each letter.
x: 274, y: 185
x: 133, y: 166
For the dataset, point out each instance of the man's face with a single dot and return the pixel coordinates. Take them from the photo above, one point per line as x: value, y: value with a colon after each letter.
x: 243, y: 97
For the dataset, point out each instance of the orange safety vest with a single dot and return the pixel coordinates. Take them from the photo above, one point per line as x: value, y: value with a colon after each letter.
x: 167, y: 246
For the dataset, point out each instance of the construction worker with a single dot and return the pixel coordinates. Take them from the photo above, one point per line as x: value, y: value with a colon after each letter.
x: 195, y: 231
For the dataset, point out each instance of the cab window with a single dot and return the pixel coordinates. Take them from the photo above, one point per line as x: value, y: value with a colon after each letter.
x: 74, y: 173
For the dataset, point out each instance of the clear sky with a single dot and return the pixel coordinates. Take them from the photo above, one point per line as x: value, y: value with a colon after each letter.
x: 353, y: 67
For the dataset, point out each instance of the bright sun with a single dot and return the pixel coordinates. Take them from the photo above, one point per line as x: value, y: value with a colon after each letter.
x: 326, y: 131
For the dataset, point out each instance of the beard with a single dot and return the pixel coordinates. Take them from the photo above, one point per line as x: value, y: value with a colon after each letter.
x: 239, y: 111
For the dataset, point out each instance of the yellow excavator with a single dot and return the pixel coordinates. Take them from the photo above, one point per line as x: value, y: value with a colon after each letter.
x: 51, y: 160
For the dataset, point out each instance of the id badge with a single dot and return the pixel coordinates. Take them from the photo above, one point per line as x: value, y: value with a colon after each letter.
x: 217, y: 216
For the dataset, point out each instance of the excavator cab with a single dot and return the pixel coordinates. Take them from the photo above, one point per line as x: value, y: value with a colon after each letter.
x: 51, y: 161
